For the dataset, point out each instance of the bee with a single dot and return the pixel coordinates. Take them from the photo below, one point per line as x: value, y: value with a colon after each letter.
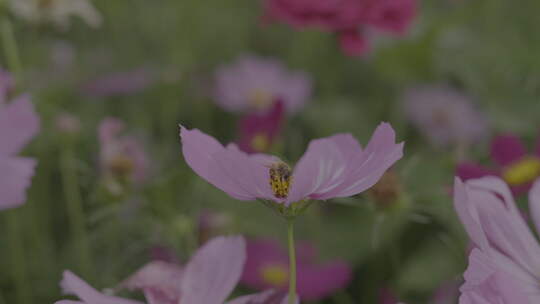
x: 280, y: 179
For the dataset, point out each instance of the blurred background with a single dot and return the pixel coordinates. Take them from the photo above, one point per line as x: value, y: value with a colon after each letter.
x: 112, y: 80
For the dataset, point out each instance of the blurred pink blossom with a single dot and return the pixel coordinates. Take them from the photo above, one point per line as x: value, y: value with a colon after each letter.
x: 208, y: 278
x: 504, y: 266
x: 254, y: 84
x: 331, y: 167
x: 267, y: 266
x: 121, y: 156
x: 258, y: 131
x: 347, y: 18
x: 518, y: 167
x: 445, y: 115
x: 19, y: 123
x: 68, y: 123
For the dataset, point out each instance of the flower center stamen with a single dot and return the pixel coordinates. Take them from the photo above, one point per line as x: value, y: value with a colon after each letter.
x: 260, y: 99
x: 275, y: 275
x: 522, y: 171
x: 280, y: 179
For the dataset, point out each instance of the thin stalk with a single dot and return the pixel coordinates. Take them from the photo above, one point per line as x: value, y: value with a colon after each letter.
x: 22, y: 291
x: 9, y: 45
x: 74, y: 205
x: 292, y: 261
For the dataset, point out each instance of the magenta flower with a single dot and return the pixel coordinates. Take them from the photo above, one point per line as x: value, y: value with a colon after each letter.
x: 504, y: 267
x: 19, y: 123
x: 208, y: 278
x: 121, y: 83
x: 515, y: 165
x: 331, y: 167
x: 346, y: 18
x: 121, y: 156
x: 446, y: 116
x: 267, y: 266
x: 258, y: 131
x: 254, y: 84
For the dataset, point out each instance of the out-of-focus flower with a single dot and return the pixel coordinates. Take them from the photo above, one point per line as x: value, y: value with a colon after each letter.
x: 347, y: 18
x: 267, y: 266
x: 447, y: 293
x: 258, y: 131
x: 331, y: 167
x: 122, y: 157
x: 68, y: 123
x: 515, y: 165
x: 122, y: 83
x: 19, y: 123
x: 504, y: 266
x: 254, y: 84
x: 212, y: 223
x: 208, y: 278
x: 387, y: 297
x: 387, y: 190
x: 163, y: 253
x: 444, y: 115
x: 57, y: 12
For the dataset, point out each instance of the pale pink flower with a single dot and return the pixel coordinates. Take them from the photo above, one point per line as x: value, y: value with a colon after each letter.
x: 504, y: 267
x: 335, y: 166
x: 254, y: 84
x: 121, y: 156
x: 19, y: 123
x: 208, y: 278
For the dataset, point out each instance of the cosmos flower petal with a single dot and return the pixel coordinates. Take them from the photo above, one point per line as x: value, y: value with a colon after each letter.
x: 366, y: 168
x: 16, y: 177
x: 72, y: 284
x: 159, y: 280
x: 18, y: 124
x: 321, y: 169
x: 214, y: 270
x: 319, y: 281
x: 229, y: 169
x: 506, y: 149
x: 265, y: 297
x: 534, y: 204
x: 68, y: 302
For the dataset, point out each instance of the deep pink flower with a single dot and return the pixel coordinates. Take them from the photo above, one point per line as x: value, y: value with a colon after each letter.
x: 331, y: 167
x: 19, y: 123
x: 515, y: 165
x: 347, y: 18
x: 386, y: 296
x: 208, y: 278
x: 504, y: 267
x: 445, y: 115
x: 254, y: 84
x: 258, y: 131
x: 121, y: 156
x: 267, y: 266
x: 122, y: 83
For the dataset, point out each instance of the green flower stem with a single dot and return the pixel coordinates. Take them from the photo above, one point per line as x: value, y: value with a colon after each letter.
x: 22, y: 291
x: 10, y: 49
x: 75, y: 210
x: 292, y: 261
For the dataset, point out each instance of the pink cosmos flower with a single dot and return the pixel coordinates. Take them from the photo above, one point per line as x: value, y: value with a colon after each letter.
x: 122, y: 83
x: 446, y: 116
x: 254, y: 84
x: 335, y: 166
x: 121, y: 156
x: 347, y: 18
x: 267, y: 266
x: 258, y: 131
x: 18, y: 124
x: 504, y: 266
x: 208, y: 278
x: 515, y: 165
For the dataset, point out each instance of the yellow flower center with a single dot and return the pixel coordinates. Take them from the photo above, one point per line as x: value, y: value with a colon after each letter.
x: 260, y: 142
x: 121, y: 166
x: 260, y: 99
x: 275, y: 275
x: 280, y: 179
x: 522, y: 171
